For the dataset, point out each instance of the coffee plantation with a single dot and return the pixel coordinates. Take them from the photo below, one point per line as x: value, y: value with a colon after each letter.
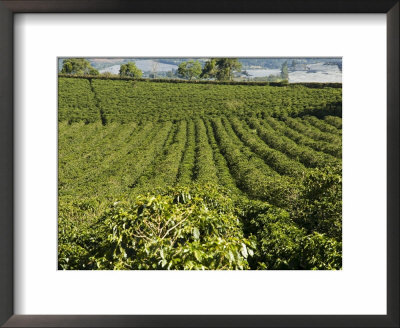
x: 160, y: 174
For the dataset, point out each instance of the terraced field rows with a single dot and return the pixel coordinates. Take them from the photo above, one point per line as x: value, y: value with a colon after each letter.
x: 238, y: 154
x: 134, y: 101
x: 160, y: 134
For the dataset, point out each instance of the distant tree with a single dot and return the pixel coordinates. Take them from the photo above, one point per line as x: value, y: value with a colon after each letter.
x: 221, y: 68
x: 226, y: 67
x: 285, y: 71
x: 210, y: 69
x: 78, y: 66
x: 154, y: 69
x: 129, y: 69
x: 182, y: 69
x: 170, y: 74
x: 294, y: 63
x: 190, y: 69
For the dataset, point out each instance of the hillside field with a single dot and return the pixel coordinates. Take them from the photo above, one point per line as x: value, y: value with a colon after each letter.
x: 163, y: 175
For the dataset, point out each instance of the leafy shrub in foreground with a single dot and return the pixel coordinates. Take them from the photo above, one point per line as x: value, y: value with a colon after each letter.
x: 282, y: 244
x: 319, y: 204
x: 177, y: 229
x: 201, y: 227
x: 320, y: 252
x: 77, y: 236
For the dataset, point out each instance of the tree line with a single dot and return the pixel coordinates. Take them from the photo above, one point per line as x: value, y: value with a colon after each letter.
x: 220, y: 69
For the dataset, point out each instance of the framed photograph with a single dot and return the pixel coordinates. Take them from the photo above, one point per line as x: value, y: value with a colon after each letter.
x: 211, y: 164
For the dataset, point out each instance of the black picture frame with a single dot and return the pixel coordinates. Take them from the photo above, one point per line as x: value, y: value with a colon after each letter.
x: 10, y: 7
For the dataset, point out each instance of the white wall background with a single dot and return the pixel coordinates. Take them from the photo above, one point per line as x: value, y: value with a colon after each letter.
x: 360, y: 288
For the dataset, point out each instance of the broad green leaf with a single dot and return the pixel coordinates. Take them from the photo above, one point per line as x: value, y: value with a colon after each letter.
x: 243, y: 250
x: 197, y: 255
x: 196, y: 233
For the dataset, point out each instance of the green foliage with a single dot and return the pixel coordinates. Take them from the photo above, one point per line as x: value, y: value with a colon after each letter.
x: 77, y: 236
x: 334, y: 120
x: 78, y: 66
x: 283, y: 245
x: 333, y: 148
x: 186, y: 228
x: 251, y: 174
x: 323, y: 126
x: 210, y: 69
x: 129, y: 100
x: 129, y: 69
x: 274, y: 158
x: 305, y: 128
x: 167, y: 163
x: 226, y: 67
x: 278, y: 240
x: 221, y: 68
x: 248, y: 163
x: 177, y: 229
x: 108, y: 75
x: 319, y: 205
x: 190, y: 69
x: 224, y: 176
x: 186, y: 173
x: 306, y: 155
x: 205, y: 170
x: 76, y: 101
